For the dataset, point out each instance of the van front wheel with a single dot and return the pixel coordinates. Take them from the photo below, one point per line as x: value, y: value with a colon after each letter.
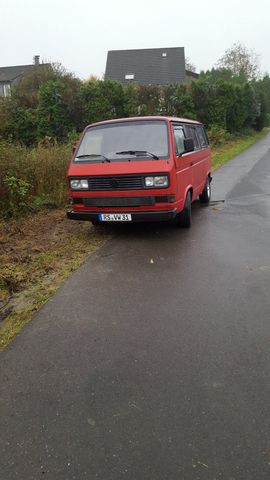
x: 206, y: 193
x: 183, y: 219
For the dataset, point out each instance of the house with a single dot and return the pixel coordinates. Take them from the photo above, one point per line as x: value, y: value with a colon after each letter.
x: 151, y: 66
x: 10, y: 76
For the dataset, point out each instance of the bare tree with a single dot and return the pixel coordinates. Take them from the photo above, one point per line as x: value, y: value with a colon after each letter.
x: 241, y: 62
x: 189, y: 65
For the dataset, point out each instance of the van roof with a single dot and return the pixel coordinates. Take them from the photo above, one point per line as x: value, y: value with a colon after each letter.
x: 150, y: 117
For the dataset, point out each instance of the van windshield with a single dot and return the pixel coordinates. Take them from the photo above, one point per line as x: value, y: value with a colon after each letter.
x: 124, y: 141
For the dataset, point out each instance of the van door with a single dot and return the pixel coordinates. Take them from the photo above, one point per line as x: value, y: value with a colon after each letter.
x: 183, y: 162
x: 200, y: 158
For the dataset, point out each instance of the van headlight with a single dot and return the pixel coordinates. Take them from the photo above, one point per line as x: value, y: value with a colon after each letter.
x: 159, y: 181
x: 79, y: 184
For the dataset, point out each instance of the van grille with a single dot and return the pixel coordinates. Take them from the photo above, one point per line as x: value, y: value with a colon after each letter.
x: 118, y: 201
x: 121, y: 182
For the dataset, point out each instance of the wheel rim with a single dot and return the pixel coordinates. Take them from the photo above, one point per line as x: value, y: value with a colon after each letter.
x: 208, y: 190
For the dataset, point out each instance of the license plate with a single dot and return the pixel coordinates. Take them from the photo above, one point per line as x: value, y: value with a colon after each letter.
x: 114, y: 217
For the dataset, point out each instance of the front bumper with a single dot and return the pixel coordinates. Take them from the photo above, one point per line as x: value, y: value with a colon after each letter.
x: 152, y: 216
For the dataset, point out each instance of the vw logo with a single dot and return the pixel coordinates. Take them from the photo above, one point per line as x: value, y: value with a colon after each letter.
x: 114, y: 183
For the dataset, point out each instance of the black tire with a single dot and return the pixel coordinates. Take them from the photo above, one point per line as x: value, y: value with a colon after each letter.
x: 206, y: 193
x: 183, y: 219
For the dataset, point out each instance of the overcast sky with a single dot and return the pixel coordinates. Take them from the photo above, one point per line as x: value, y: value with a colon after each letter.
x: 79, y: 33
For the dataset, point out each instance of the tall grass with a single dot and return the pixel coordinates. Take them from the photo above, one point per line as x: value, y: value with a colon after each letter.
x: 42, y: 171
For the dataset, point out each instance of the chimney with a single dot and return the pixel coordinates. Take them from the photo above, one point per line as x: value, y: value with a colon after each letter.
x: 36, y: 60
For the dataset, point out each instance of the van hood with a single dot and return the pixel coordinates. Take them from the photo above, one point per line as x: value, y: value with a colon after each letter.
x: 119, y: 168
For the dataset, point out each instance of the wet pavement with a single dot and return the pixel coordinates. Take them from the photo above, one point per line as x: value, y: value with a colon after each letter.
x: 152, y: 362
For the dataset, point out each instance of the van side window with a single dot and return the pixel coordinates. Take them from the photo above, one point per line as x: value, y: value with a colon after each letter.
x: 206, y: 136
x: 191, y: 133
x: 201, y: 136
x: 178, y: 139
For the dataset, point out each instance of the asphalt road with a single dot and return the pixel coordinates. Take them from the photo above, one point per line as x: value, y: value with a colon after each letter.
x: 152, y: 362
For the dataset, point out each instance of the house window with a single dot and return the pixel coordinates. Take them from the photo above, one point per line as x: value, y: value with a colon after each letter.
x: 164, y: 54
x: 129, y: 76
x: 7, y: 90
x: 4, y: 89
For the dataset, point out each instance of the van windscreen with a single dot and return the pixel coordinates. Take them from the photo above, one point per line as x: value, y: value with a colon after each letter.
x: 124, y: 141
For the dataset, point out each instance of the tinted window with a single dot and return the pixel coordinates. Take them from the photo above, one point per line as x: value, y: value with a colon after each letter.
x: 178, y: 139
x: 151, y: 136
x: 191, y: 133
x: 201, y: 136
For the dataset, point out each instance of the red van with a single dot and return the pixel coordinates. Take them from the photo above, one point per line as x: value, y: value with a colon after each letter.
x: 140, y: 169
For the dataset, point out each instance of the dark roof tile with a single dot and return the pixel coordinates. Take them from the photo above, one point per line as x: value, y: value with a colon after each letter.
x: 8, y: 74
x: 158, y: 66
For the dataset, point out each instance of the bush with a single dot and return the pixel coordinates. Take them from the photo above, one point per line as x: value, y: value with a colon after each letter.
x: 217, y: 136
x: 17, y: 189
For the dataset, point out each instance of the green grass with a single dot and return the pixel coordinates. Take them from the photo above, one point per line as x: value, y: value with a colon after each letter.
x: 234, y: 147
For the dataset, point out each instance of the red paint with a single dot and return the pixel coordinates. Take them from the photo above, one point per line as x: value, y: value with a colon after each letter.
x: 186, y: 172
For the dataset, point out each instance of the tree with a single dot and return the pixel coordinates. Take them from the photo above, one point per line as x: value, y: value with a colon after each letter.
x: 131, y: 101
x: 17, y: 122
x: 5, y: 117
x: 178, y: 101
x: 102, y: 99
x: 149, y: 99
x: 216, y: 74
x: 58, y: 109
x: 262, y: 89
x: 242, y: 62
x: 26, y: 92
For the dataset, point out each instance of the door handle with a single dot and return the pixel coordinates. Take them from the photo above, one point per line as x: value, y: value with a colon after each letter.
x: 191, y: 164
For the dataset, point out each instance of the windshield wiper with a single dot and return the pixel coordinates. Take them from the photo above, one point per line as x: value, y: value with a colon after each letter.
x: 137, y: 152
x: 93, y: 155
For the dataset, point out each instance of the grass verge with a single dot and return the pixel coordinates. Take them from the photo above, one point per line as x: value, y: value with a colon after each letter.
x: 37, y: 253
x: 230, y: 149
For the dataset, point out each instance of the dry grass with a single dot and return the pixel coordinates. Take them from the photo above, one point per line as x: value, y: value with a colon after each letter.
x: 36, y: 254
x: 44, y: 169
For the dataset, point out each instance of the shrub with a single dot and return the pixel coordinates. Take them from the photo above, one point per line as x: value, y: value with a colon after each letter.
x: 217, y: 136
x: 17, y: 189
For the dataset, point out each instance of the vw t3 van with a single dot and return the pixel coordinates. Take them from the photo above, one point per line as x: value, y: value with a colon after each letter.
x: 140, y: 169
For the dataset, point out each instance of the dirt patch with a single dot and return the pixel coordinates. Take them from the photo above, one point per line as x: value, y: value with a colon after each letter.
x: 36, y: 254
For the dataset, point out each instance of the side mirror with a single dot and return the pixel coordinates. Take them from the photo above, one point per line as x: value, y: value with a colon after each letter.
x: 188, y: 145
x: 74, y: 148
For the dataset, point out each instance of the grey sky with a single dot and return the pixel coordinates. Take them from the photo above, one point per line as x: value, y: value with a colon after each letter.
x: 79, y: 33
